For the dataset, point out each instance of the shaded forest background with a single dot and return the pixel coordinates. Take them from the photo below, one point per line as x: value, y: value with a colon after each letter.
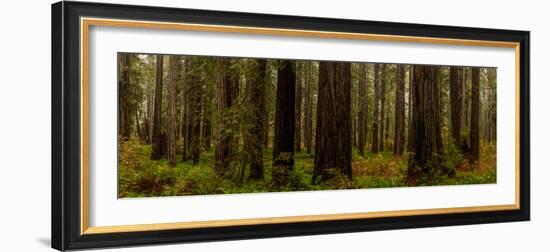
x: 210, y: 125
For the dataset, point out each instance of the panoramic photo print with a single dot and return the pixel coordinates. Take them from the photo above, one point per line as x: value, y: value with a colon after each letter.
x: 199, y: 125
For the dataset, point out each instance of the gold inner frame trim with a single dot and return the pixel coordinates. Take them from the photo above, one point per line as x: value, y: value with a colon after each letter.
x: 288, y: 219
x: 85, y: 24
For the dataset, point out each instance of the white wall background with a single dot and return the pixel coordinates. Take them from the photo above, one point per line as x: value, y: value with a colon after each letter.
x: 25, y: 125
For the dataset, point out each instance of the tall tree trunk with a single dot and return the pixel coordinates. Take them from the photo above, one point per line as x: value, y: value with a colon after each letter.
x: 124, y: 127
x: 195, y: 103
x: 484, y: 108
x: 254, y: 142
x: 383, y: 84
x: 456, y: 98
x: 206, y: 130
x: 187, y: 111
x: 332, y: 137
x: 399, y: 132
x: 492, y: 104
x: 298, y: 107
x: 186, y: 125
x: 410, y: 135
x: 367, y: 110
x: 150, y: 112
x: 308, y: 106
x: 227, y: 83
x: 354, y: 118
x: 424, y: 161
x: 466, y: 97
x: 266, y: 131
x: 361, y: 124
x: 171, y: 127
x: 285, y: 123
x: 156, y: 154
x: 138, y: 127
x: 437, y: 108
x: 375, y: 146
x: 180, y: 92
x: 387, y: 126
x: 474, y: 121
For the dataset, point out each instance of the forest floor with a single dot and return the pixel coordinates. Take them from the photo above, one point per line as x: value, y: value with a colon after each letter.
x: 141, y: 177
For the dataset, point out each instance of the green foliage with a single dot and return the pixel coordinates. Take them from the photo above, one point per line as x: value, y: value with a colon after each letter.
x: 378, y: 182
x: 452, y: 157
x: 336, y: 180
x: 469, y: 177
x: 141, y: 177
x: 298, y: 179
x: 200, y: 179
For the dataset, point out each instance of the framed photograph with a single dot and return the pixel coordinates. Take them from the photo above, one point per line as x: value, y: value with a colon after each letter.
x: 180, y: 125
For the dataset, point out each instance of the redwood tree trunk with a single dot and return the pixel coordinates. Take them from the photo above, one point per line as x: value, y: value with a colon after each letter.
x: 437, y: 108
x: 267, y: 126
x: 206, y: 125
x: 466, y: 102
x: 227, y: 83
x: 399, y: 132
x: 285, y: 123
x: 298, y: 108
x: 383, y: 84
x: 156, y: 154
x: 456, y: 104
x: 474, y: 121
x: 491, y: 78
x: 333, y: 134
x: 308, y: 108
x: 410, y: 135
x: 424, y: 161
x: 150, y: 113
x: 186, y: 112
x: 171, y: 127
x: 138, y: 127
x: 254, y: 142
x: 123, y: 88
x: 195, y: 104
x: 355, y: 122
x: 361, y: 122
x: 376, y: 105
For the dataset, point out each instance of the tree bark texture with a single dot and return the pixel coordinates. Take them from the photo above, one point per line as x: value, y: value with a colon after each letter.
x: 187, y: 112
x: 298, y: 108
x: 361, y: 122
x: 332, y: 137
x: 424, y: 160
x: 375, y: 146
x: 285, y: 122
x: 195, y: 106
x: 410, y: 135
x: 456, y: 93
x: 437, y: 108
x: 254, y: 142
x: 226, y: 85
x: 206, y: 124
x: 383, y: 83
x: 156, y: 154
x: 171, y: 127
x: 474, y: 121
x: 399, y: 127
x: 308, y: 107
x: 124, y: 127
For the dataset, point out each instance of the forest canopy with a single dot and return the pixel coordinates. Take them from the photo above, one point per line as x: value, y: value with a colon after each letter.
x: 191, y: 125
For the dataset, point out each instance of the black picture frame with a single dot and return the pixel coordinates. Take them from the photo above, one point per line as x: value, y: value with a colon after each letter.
x: 66, y: 125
